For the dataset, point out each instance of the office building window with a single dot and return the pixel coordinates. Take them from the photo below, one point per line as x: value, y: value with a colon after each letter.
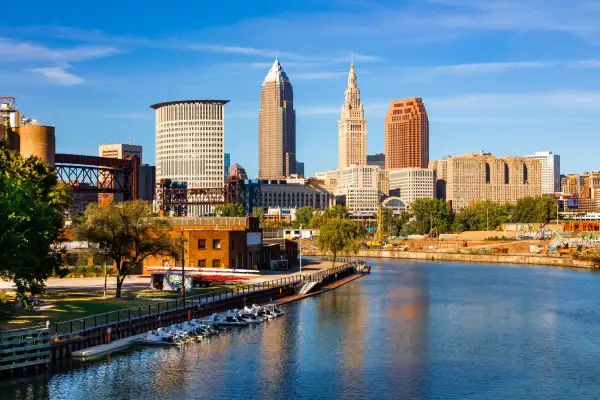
x: 216, y: 243
x: 202, y: 263
x: 201, y: 243
x: 216, y: 263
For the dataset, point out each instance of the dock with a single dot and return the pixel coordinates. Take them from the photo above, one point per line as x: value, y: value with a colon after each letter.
x: 104, y: 349
x: 323, y: 289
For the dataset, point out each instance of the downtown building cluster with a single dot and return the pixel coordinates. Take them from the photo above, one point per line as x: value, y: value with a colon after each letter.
x: 190, y: 153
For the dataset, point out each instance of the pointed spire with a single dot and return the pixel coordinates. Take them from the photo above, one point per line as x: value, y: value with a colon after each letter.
x: 352, y: 77
x: 276, y: 73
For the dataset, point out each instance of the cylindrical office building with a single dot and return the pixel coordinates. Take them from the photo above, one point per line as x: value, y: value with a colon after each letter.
x: 189, y: 143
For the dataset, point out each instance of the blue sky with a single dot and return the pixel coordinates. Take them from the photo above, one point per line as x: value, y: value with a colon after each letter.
x: 507, y: 76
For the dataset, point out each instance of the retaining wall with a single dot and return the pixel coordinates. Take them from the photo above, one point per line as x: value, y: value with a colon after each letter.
x: 476, y: 258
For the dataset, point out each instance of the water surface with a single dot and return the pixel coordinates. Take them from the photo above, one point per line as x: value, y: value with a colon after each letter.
x: 410, y: 330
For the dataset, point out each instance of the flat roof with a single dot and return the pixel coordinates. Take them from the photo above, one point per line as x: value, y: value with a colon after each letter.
x: 168, y: 103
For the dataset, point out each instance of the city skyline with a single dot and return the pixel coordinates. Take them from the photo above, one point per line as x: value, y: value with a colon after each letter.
x: 523, y: 97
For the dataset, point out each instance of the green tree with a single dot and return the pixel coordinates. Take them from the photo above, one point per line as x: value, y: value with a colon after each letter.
x: 258, y: 212
x: 127, y: 232
x: 32, y: 208
x: 230, y: 210
x: 337, y: 211
x: 482, y: 215
x: 431, y: 213
x: 304, y: 216
x: 338, y: 235
x: 541, y: 209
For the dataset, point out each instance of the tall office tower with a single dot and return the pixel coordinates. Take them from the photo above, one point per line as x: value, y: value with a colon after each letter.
x: 352, y: 127
x: 276, y: 126
x: 189, y: 144
x: 550, y: 170
x: 406, y: 135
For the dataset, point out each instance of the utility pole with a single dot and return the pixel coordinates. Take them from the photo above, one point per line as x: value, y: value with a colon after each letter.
x: 105, y: 278
x: 182, y: 268
x: 300, y: 249
x: 487, y: 220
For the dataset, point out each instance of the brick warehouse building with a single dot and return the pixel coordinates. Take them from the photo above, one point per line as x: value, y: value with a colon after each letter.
x: 218, y: 242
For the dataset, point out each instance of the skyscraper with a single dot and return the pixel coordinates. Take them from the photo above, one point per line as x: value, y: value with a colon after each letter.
x: 276, y: 126
x: 189, y: 142
x: 406, y: 135
x: 352, y: 126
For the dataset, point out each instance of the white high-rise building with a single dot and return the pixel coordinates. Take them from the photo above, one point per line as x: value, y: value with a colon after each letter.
x: 410, y: 184
x: 550, y: 171
x: 357, y: 189
x: 189, y: 143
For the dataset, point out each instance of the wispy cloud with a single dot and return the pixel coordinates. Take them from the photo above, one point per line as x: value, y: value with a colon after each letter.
x: 15, y: 51
x: 574, y: 100
x: 465, y: 69
x: 318, y: 110
x: 321, y: 75
x: 59, y: 75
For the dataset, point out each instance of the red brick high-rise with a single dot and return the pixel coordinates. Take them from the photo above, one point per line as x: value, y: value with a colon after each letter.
x: 406, y: 135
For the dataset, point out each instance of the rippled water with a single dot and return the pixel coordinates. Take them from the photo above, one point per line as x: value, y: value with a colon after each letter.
x: 410, y: 330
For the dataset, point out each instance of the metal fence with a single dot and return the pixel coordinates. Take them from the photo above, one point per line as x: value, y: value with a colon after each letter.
x: 24, y: 348
x: 93, y: 321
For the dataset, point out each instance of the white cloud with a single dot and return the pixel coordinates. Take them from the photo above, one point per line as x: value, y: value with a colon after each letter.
x: 14, y: 51
x: 573, y: 100
x: 464, y: 69
x: 59, y: 75
x: 318, y: 110
x: 321, y: 75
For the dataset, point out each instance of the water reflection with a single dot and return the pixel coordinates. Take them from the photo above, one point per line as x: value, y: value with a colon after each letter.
x: 411, y: 330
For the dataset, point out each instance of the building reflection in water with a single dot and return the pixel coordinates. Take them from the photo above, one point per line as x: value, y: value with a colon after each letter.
x: 406, y: 332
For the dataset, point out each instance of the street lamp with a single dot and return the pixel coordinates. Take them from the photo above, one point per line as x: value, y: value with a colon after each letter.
x: 182, y: 268
x: 300, y: 249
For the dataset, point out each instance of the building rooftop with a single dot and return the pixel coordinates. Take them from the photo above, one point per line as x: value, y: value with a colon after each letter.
x: 169, y: 103
x: 276, y: 73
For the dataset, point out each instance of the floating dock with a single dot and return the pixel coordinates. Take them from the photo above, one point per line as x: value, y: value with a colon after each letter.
x: 323, y: 289
x: 104, y: 349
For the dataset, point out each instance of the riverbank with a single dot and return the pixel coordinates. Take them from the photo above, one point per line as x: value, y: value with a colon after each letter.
x: 540, y: 260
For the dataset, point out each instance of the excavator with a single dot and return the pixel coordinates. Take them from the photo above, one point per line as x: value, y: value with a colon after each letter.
x: 432, y: 233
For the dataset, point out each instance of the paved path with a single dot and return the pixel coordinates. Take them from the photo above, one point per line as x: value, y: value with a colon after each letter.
x: 134, y: 282
x: 138, y: 282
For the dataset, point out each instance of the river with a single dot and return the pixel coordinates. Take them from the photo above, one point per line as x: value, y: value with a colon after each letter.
x: 410, y: 330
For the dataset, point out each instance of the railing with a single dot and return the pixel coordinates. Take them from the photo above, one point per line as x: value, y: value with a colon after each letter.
x: 24, y: 348
x: 93, y: 321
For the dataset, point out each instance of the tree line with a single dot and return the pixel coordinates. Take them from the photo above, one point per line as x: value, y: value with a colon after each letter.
x: 478, y: 216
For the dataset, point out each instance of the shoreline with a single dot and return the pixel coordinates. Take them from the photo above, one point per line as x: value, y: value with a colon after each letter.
x: 563, y: 262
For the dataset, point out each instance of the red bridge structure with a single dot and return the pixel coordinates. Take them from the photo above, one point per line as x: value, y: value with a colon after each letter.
x: 99, y: 174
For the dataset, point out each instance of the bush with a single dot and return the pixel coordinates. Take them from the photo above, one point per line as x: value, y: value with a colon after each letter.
x: 91, y: 271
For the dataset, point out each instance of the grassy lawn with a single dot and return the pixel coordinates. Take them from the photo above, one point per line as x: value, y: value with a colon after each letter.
x: 65, y: 306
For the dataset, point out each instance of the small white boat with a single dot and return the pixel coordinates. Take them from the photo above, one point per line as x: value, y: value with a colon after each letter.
x: 262, y: 312
x: 155, y: 338
x: 211, y: 319
x: 275, y: 310
x: 231, y: 320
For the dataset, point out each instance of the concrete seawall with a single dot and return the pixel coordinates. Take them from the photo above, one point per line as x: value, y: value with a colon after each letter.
x: 567, y: 262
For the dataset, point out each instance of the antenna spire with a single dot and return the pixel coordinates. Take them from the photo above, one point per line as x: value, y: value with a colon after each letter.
x: 276, y: 54
x: 352, y: 56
